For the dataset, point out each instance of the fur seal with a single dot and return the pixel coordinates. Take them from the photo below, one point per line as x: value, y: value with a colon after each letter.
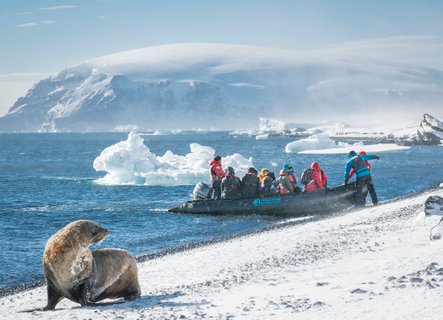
x: 73, y: 271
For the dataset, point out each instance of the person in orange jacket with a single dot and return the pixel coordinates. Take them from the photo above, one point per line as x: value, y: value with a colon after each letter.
x: 318, y: 178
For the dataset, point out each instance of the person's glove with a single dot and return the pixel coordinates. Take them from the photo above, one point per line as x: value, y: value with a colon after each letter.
x: 376, y: 157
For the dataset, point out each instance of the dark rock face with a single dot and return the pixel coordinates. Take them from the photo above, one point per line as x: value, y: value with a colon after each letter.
x: 430, y: 133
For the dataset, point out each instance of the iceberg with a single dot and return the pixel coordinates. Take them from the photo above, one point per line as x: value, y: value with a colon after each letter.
x: 315, y: 142
x: 322, y: 144
x: 131, y: 162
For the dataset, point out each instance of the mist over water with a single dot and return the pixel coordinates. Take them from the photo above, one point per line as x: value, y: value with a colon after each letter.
x: 48, y: 180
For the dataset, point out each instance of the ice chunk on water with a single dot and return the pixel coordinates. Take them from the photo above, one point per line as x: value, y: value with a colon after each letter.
x: 131, y: 162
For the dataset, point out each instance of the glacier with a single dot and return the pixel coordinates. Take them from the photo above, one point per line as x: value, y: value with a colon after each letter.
x: 221, y: 86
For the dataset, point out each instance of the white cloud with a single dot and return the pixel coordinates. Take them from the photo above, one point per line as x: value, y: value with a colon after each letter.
x: 425, y: 50
x: 24, y: 13
x: 26, y: 25
x: 63, y: 7
x: 34, y: 24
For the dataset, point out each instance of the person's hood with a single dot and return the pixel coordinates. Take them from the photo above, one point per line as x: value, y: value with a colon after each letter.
x: 315, y: 166
x: 352, y: 154
x: 230, y: 171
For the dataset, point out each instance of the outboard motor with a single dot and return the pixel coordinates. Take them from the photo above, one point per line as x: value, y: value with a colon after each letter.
x: 201, y: 191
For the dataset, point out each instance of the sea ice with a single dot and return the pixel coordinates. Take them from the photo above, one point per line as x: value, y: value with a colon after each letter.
x: 322, y: 144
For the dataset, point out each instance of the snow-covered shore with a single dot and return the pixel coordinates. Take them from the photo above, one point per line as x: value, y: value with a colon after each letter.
x: 374, y: 263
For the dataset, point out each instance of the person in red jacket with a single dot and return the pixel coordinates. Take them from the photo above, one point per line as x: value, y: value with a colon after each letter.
x: 318, y: 180
x: 216, y: 175
x: 371, y: 187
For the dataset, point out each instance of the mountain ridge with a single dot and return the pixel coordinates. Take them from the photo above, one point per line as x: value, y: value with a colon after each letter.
x: 217, y: 86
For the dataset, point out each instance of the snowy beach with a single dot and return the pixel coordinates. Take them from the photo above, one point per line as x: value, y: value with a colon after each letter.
x: 374, y: 263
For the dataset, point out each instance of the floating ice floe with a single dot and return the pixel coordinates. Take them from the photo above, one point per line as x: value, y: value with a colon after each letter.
x: 130, y: 162
x: 322, y: 144
x: 262, y: 136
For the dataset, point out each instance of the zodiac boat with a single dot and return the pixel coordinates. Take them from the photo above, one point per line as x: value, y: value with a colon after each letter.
x: 305, y: 203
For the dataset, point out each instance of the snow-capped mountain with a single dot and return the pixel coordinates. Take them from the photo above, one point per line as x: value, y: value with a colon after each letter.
x: 429, y: 132
x: 216, y: 86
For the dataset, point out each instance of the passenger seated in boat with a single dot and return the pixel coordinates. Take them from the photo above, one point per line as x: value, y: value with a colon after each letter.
x: 314, y: 178
x: 268, y: 185
x: 284, y: 184
x: 263, y: 173
x: 250, y: 184
x: 230, y: 185
x: 291, y: 175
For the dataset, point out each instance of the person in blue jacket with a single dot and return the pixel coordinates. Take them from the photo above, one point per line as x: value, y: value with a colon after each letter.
x: 362, y: 172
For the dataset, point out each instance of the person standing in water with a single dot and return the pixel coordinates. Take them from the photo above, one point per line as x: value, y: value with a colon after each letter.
x: 371, y: 187
x: 357, y: 162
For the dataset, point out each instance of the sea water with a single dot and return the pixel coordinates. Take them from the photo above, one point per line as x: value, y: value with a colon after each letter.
x: 48, y: 180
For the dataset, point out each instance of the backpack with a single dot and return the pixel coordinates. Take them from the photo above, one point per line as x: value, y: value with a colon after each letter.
x: 306, y: 176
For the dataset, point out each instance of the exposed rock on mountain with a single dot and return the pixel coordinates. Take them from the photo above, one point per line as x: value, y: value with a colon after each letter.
x: 215, y: 86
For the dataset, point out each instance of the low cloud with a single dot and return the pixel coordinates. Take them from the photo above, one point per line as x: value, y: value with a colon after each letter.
x: 26, y: 25
x: 34, y: 24
x: 14, y: 85
x: 424, y: 50
x: 63, y: 7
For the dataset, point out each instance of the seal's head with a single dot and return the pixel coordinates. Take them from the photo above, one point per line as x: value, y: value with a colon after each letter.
x: 80, y: 232
x: 87, y: 232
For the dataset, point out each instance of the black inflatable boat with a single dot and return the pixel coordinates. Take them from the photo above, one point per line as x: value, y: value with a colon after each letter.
x: 306, y: 203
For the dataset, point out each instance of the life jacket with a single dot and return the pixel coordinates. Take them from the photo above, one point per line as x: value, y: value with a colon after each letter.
x: 292, y: 178
x: 216, y: 170
x: 282, y: 189
x: 360, y: 167
x: 306, y: 176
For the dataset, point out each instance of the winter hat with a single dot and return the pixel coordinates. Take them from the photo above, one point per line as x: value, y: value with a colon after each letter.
x: 217, y: 158
x: 271, y: 175
x: 352, y: 154
x: 252, y: 170
x: 230, y: 170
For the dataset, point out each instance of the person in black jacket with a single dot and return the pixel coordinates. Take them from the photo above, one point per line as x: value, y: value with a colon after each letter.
x: 250, y: 184
x: 230, y: 185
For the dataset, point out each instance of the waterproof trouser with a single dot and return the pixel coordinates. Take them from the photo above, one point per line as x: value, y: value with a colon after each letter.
x: 360, y: 196
x: 372, y: 193
x: 216, y: 190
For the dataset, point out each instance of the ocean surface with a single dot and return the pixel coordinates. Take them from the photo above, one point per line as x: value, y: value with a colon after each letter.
x: 48, y: 180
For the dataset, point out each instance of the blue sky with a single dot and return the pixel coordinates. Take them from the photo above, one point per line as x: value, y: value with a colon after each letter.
x: 42, y: 37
